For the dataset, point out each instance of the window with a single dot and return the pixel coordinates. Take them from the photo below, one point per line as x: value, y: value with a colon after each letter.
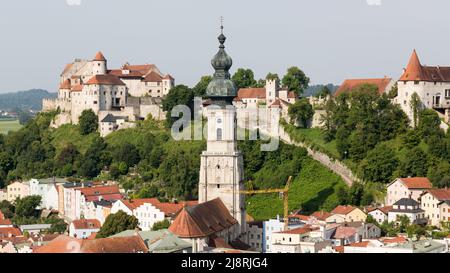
x: 447, y: 93
x: 219, y: 134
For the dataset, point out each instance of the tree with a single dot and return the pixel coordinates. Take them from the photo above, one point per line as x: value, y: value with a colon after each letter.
x: 178, y: 95
x: 26, y: 207
x: 440, y: 175
x: 244, y: 78
x: 415, y: 163
x: 380, y: 164
x: 88, y: 122
x: 301, y: 111
x: 116, y: 223
x: 295, y: 80
x: 342, y: 195
x: 429, y: 124
x: 161, y: 225
x: 342, y: 142
x: 200, y: 88
x: 323, y: 92
x: 127, y: 153
x: 415, y: 106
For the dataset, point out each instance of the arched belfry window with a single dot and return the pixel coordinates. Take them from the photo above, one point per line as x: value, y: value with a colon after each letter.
x: 219, y: 134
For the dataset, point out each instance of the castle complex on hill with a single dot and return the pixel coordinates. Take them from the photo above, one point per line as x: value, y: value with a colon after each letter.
x: 116, y: 96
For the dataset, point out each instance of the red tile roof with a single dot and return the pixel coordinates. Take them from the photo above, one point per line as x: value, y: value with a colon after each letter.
x: 251, y: 93
x: 415, y: 71
x: 292, y: 95
x: 77, y: 88
x: 65, y: 244
x: 344, y: 210
x: 345, y: 232
x: 5, y: 222
x: 108, y: 79
x: 350, y: 84
x: 440, y: 194
x: 417, y: 183
x: 102, y: 190
x: 153, y: 77
x: 169, y: 209
x: 86, y: 224
x: 65, y: 85
x: 144, y: 69
x: 9, y: 232
x: 300, y: 231
x: 339, y: 249
x: 321, y: 215
x: 394, y: 240
x: 132, y: 74
x: 99, y: 57
x: 202, y: 220
x: 107, y: 197
x: 360, y: 244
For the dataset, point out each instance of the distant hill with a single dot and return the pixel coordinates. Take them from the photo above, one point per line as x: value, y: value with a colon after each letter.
x: 313, y: 89
x: 24, y: 100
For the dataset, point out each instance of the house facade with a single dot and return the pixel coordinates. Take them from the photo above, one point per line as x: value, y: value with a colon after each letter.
x: 379, y: 214
x: 406, y: 188
x: 349, y: 214
x: 83, y: 228
x: 433, y: 202
x: 17, y: 190
x: 409, y: 208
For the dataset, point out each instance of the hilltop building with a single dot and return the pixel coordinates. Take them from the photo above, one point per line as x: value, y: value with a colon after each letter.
x: 89, y: 84
x: 430, y: 83
x: 384, y: 85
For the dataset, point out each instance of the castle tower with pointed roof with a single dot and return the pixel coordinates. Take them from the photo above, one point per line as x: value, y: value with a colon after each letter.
x: 430, y: 83
x: 222, y: 167
x: 99, y: 64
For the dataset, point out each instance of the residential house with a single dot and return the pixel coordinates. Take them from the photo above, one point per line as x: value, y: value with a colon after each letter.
x: 379, y: 214
x: 7, y: 247
x: 8, y: 232
x: 17, y: 190
x: 83, y: 228
x: 297, y: 241
x: 432, y: 202
x: 444, y: 208
x: 407, y: 188
x: 345, y: 235
x: 348, y: 213
x: 47, y: 189
x: 255, y: 234
x: 3, y: 194
x: 204, y: 222
x: 409, y: 208
x: 150, y: 210
x: 4, y: 223
x: 99, y: 210
x: 277, y: 225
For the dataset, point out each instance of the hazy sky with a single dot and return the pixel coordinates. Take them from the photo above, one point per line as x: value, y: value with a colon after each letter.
x: 329, y: 39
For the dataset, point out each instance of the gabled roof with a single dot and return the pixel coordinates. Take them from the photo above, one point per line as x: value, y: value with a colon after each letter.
x: 344, y: 232
x: 299, y: 231
x: 415, y: 71
x: 86, y: 224
x: 384, y: 210
x: 169, y: 209
x: 343, y: 210
x: 168, y: 77
x: 406, y: 202
x: 321, y: 215
x: 108, y: 79
x: 416, y: 183
x: 5, y: 222
x: 102, y: 190
x: 65, y: 84
x: 77, y: 88
x: 351, y: 84
x: 144, y: 69
x: 99, y: 57
x: 111, y: 118
x: 9, y: 232
x: 202, y: 220
x: 251, y: 93
x: 440, y: 194
x: 153, y: 77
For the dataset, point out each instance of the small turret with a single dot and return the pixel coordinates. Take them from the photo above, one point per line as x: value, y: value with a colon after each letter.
x: 99, y: 64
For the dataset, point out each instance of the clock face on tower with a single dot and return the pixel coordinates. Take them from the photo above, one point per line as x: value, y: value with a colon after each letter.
x: 219, y: 121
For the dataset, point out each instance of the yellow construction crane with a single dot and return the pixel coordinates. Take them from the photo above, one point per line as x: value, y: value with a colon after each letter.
x: 285, y: 193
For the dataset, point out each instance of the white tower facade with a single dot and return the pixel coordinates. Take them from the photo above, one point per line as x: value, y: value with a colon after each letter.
x: 222, y: 165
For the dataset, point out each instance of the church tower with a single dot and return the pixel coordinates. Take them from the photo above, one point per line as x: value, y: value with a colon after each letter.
x: 222, y: 167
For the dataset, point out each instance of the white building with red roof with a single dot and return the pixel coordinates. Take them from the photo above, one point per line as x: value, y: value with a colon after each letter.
x: 150, y: 210
x: 89, y: 84
x: 411, y: 187
x: 384, y: 85
x: 436, y: 204
x: 430, y: 83
x: 379, y: 214
x: 83, y: 228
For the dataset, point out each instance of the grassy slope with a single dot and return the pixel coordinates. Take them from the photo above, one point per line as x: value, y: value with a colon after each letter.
x: 313, y: 189
x: 70, y: 134
x: 9, y: 125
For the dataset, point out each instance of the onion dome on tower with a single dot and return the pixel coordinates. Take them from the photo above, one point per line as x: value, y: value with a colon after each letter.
x: 221, y: 90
